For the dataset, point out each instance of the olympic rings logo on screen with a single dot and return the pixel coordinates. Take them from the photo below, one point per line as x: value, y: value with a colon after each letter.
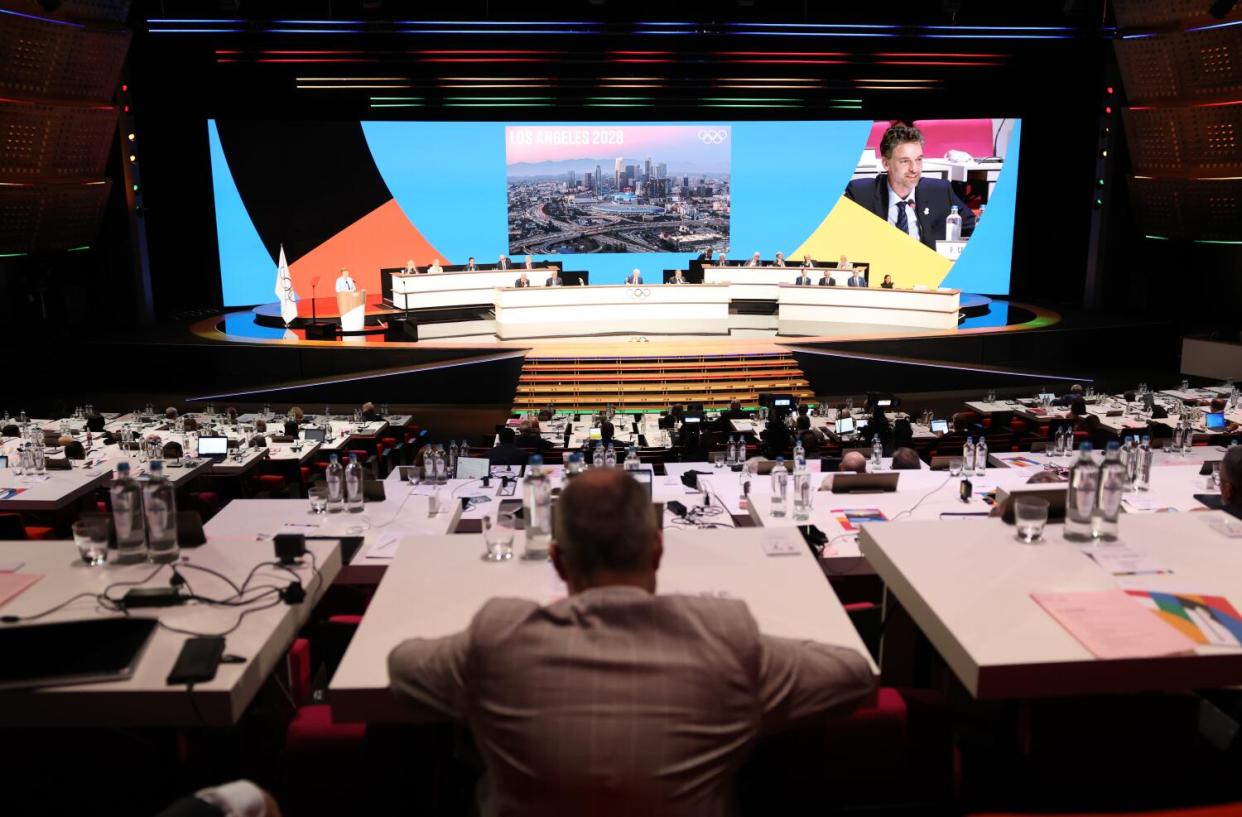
x: 713, y: 136
x: 640, y: 292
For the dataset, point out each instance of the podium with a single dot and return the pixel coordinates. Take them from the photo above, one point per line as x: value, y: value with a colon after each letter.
x: 352, y: 306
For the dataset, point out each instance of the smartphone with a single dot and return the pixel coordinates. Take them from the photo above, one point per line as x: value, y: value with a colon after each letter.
x: 965, y: 490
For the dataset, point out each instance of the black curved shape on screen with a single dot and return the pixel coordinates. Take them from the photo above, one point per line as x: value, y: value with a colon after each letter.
x: 302, y: 182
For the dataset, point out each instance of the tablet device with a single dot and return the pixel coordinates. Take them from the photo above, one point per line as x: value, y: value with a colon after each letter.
x: 1215, y: 421
x: 472, y: 467
x: 73, y: 652
x: 940, y: 426
x: 845, y: 425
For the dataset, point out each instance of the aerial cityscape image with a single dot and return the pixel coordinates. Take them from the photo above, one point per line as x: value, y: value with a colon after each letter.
x: 617, y: 188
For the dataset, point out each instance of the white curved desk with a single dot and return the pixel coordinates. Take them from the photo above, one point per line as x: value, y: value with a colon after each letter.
x: 761, y: 283
x: 540, y: 312
x: 461, y: 288
x: 803, y: 310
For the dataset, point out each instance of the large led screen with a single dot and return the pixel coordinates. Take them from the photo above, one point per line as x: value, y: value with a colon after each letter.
x: 608, y: 197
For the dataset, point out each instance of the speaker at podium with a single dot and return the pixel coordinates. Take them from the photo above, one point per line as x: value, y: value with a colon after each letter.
x: 353, y: 307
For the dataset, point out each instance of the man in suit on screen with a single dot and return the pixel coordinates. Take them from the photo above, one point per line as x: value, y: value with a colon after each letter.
x: 471, y: 266
x: 901, y: 196
x: 616, y: 700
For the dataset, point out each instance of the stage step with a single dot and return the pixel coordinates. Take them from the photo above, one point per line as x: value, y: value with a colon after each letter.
x: 654, y: 383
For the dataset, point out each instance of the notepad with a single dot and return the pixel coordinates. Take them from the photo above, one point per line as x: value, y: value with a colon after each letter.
x: 13, y: 584
x: 1112, y: 624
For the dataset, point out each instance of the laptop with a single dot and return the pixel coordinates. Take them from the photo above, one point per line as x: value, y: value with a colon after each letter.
x: 314, y: 435
x: 472, y: 467
x: 845, y: 483
x: 213, y: 448
x: 1215, y: 421
x: 940, y: 426
x: 73, y: 652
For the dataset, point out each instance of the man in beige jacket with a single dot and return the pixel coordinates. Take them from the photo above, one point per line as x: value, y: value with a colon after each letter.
x: 615, y: 700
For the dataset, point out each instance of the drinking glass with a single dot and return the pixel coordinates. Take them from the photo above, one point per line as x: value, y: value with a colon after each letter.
x: 91, y: 537
x: 318, y: 496
x: 1030, y: 514
x: 498, y: 534
x: 955, y: 467
x: 718, y: 459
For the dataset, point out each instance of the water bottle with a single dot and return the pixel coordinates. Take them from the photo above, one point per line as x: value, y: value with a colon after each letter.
x: 537, y: 502
x: 1188, y: 436
x: 953, y: 225
x: 610, y: 457
x: 335, y: 477
x: 37, y: 459
x: 802, y: 493
x: 597, y: 457
x: 981, y: 457
x: 1082, y: 496
x: 1176, y: 444
x: 731, y: 456
x: 1129, y: 458
x: 632, y: 463
x: 799, y: 453
x: 968, y: 456
x: 1112, y: 486
x: 353, y: 485
x: 159, y: 501
x: 452, y: 459
x: 1143, y: 457
x: 780, y: 486
x: 127, y: 518
x: 576, y: 465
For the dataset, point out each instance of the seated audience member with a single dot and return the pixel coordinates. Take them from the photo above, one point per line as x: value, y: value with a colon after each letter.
x: 1219, y: 404
x: 810, y: 438
x: 240, y: 798
x: 775, y: 439
x: 95, y: 423
x: 172, y: 450
x: 435, y: 267
x: 522, y: 281
x: 10, y: 430
x: 1074, y: 393
x: 170, y: 413
x: 903, y: 433
x: 296, y: 415
x: 230, y: 416
x: 410, y: 267
x: 606, y: 429
x: 553, y: 280
x: 74, y: 450
x: 530, y: 437
x: 807, y: 261
x: 471, y: 266
x: 260, y: 426
x: 189, y: 424
x: 887, y: 283
x: 844, y: 263
x: 1231, y: 481
x: 369, y: 413
x: 506, y: 452
x: 1046, y: 475
x: 291, y: 429
x: 615, y: 695
x: 735, y: 411
x: 546, y: 414
x: 906, y: 459
x: 852, y: 463
x: 779, y: 260
x: 825, y: 280
x: 804, y: 280
x: 678, y: 278
x: 754, y: 261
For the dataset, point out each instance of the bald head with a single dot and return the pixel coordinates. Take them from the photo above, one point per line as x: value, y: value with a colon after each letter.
x: 1231, y: 477
x: 853, y: 461
x: 606, y: 532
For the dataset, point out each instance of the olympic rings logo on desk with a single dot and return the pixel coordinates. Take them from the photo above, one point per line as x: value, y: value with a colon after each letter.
x: 640, y: 292
x: 712, y: 136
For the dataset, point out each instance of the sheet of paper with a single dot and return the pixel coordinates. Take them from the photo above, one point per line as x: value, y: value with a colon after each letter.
x: 12, y: 585
x: 782, y: 543
x: 385, y: 547
x: 1121, y: 559
x: 1112, y: 624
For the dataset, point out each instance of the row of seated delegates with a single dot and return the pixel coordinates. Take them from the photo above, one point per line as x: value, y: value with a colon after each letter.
x: 502, y: 263
x: 855, y: 280
x: 554, y: 279
x: 635, y: 278
x: 756, y: 260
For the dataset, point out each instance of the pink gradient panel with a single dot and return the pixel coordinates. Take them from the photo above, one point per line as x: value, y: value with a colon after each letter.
x: 941, y: 135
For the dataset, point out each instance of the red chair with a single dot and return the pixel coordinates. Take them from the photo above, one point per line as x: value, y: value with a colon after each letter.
x: 321, y: 758
x: 207, y: 503
x: 12, y: 527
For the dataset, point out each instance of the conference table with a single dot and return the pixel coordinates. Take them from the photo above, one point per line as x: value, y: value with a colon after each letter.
x: 435, y: 585
x: 458, y: 288
x: 261, y: 639
x: 1002, y: 645
x: 805, y: 310
x: 535, y: 312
